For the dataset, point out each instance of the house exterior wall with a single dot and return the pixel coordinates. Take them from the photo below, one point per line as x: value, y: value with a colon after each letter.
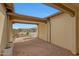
x: 42, y: 30
x: 3, y: 29
x: 63, y: 31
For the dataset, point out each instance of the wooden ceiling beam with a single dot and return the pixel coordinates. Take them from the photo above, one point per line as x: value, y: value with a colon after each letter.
x: 24, y: 21
x: 9, y: 7
x: 62, y: 8
x: 27, y: 18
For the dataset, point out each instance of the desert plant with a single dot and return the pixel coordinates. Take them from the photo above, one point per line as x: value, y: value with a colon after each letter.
x: 27, y: 33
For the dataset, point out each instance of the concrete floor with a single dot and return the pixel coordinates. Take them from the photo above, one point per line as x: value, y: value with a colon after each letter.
x: 37, y: 47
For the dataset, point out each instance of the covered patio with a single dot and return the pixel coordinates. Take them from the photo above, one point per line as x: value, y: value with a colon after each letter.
x: 58, y: 29
x: 38, y: 47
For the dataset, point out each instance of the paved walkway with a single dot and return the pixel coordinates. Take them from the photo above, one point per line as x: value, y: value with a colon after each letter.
x: 38, y: 48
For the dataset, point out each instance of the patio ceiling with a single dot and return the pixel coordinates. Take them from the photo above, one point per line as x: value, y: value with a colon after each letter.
x: 11, y: 12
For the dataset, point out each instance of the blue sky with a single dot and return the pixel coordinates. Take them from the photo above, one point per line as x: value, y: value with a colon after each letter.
x: 23, y: 26
x: 34, y: 9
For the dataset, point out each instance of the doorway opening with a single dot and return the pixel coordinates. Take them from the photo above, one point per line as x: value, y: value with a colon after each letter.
x: 24, y: 32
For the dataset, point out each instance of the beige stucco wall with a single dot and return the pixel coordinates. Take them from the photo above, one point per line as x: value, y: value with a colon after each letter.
x: 3, y: 29
x: 42, y: 30
x: 1, y: 8
x: 63, y: 31
x: 4, y: 34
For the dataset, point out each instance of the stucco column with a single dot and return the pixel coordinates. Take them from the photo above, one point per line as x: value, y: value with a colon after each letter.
x: 77, y: 31
x: 49, y: 30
